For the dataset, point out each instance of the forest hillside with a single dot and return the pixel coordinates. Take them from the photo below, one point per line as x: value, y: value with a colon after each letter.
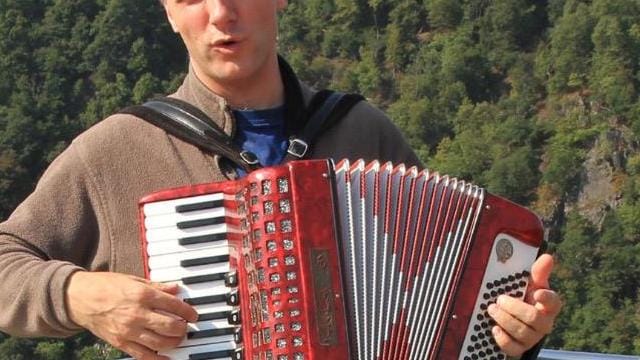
x: 537, y: 100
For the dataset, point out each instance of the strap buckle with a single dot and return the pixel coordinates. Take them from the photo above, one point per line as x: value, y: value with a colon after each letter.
x: 298, y: 147
x: 249, y: 157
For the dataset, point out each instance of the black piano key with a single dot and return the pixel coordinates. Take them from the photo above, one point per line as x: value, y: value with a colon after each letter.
x: 215, y: 316
x: 234, y: 354
x: 210, y: 333
x: 231, y: 299
x: 200, y: 222
x: 192, y: 240
x: 207, y: 299
x: 203, y: 278
x: 231, y: 280
x: 204, y: 261
x: 234, y: 318
x: 200, y: 206
x: 237, y: 336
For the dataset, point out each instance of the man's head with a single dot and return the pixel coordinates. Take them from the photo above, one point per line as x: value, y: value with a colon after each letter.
x: 230, y: 42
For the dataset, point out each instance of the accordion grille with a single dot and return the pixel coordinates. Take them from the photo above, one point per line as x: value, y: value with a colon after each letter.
x: 403, y: 249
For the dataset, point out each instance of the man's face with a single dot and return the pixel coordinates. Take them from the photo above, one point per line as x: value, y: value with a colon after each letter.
x: 230, y: 42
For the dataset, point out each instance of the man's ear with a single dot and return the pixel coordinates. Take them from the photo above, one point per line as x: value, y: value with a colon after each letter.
x: 282, y: 4
x: 174, y: 27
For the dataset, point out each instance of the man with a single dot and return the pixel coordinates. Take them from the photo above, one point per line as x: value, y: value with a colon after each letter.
x: 69, y: 254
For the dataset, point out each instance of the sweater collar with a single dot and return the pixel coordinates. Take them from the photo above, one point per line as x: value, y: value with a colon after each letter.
x: 197, y: 93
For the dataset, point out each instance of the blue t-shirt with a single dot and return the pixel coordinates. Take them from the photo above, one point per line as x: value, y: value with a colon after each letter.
x: 263, y: 133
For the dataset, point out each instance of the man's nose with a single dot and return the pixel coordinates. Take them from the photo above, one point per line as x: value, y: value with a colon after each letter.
x: 221, y: 12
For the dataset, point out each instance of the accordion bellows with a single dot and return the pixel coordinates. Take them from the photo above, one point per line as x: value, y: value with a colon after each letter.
x: 316, y: 260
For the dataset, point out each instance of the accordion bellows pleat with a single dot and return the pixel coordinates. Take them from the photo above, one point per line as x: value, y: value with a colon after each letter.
x: 317, y: 260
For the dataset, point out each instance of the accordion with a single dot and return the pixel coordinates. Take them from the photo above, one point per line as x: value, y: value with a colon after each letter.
x: 318, y: 260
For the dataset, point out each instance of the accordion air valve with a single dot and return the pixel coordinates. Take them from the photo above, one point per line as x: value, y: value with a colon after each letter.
x: 316, y: 260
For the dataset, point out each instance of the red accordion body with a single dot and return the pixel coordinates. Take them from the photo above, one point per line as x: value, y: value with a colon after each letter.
x: 312, y: 260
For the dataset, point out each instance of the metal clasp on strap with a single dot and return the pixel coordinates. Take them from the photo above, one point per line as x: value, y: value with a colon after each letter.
x: 249, y: 157
x: 297, y: 147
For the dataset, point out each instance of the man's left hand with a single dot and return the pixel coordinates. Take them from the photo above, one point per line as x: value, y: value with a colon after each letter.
x: 522, y: 324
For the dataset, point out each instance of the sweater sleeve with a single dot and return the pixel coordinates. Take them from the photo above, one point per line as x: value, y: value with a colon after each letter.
x: 52, y: 234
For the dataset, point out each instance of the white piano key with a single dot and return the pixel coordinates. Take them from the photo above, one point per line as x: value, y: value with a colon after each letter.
x: 172, y: 247
x: 203, y: 289
x: 213, y: 308
x: 174, y: 259
x: 179, y: 273
x: 208, y: 325
x: 184, y: 352
x: 173, y: 233
x: 169, y: 206
x: 196, y: 339
x: 171, y: 219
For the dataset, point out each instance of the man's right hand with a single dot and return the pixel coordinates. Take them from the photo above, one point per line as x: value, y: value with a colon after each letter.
x: 131, y: 313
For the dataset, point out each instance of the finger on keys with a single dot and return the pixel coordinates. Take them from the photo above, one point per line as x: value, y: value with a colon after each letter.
x: 171, y: 288
x: 506, y: 343
x: 517, y: 329
x: 521, y: 320
x: 167, y: 324
x: 171, y: 304
x: 540, y: 273
x: 154, y: 341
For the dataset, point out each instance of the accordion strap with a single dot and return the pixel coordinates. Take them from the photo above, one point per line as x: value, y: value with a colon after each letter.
x: 188, y: 123
x: 326, y: 108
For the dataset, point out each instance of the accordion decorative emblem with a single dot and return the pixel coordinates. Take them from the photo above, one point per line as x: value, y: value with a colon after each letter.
x: 315, y: 260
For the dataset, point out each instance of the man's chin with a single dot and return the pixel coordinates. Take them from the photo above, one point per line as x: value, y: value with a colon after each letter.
x: 225, y: 73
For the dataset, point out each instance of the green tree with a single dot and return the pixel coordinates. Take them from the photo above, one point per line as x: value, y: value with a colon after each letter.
x: 612, y: 76
x: 444, y: 13
x: 406, y: 21
x: 507, y: 27
x: 565, y: 63
x: 50, y: 350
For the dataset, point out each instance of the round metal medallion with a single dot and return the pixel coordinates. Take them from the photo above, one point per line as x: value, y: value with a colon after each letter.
x: 504, y: 250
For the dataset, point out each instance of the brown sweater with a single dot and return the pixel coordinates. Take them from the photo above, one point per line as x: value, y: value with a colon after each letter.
x: 83, y: 212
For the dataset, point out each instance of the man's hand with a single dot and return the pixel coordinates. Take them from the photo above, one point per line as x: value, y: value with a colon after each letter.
x: 132, y: 314
x: 522, y: 324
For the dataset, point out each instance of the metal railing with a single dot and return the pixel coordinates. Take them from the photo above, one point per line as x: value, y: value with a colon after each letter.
x: 574, y: 355
x: 567, y: 355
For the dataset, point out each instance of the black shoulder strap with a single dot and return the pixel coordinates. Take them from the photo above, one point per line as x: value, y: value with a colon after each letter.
x: 190, y: 124
x: 325, y: 109
x: 187, y: 122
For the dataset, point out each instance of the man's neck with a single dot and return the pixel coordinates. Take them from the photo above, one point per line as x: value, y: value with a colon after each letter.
x: 265, y: 90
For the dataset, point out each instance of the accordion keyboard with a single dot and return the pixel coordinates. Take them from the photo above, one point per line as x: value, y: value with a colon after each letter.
x: 186, y: 243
